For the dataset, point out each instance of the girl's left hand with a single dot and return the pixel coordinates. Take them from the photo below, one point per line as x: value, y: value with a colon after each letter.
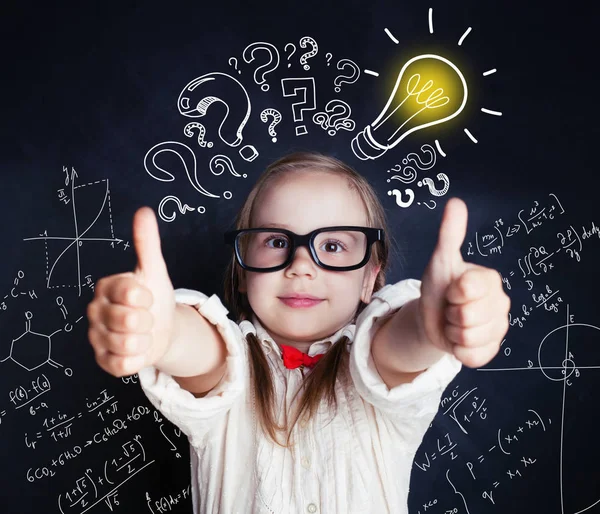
x: 463, y: 308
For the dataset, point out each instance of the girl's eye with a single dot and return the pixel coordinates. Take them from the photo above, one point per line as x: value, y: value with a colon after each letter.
x: 278, y: 242
x: 330, y: 246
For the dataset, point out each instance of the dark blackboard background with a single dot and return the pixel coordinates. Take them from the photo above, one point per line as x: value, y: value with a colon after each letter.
x: 94, y: 87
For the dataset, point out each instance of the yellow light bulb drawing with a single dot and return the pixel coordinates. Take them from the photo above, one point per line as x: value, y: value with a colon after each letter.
x: 429, y: 90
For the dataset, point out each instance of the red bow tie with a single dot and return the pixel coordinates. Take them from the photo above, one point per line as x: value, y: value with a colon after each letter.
x: 294, y: 358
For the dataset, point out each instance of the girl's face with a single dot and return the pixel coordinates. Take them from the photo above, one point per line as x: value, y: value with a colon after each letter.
x: 303, y: 201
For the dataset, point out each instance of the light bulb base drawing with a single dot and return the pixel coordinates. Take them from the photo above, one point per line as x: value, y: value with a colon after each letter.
x: 365, y: 147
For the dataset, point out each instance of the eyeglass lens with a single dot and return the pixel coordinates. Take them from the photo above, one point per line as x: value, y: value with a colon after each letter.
x: 267, y: 249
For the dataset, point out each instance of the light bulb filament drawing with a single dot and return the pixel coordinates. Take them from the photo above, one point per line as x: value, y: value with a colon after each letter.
x: 433, y: 101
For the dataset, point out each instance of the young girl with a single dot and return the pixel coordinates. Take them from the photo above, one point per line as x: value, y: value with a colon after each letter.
x: 317, y: 399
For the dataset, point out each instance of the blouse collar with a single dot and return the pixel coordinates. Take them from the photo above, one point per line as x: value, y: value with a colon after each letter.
x: 320, y: 346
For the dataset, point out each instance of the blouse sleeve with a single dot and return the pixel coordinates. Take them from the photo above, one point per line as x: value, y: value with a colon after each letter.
x: 409, y: 407
x: 194, y: 416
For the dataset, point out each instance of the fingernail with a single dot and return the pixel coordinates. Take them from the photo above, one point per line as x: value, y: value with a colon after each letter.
x: 136, y: 363
x: 130, y: 345
x: 132, y: 297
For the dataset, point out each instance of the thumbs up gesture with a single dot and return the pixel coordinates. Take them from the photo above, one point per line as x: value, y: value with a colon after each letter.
x: 131, y: 315
x: 463, y: 308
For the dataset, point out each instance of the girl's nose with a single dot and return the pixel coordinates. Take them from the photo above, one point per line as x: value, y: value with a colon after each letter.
x: 302, y: 263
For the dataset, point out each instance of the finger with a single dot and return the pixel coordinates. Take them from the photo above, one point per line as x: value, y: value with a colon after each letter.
x: 470, y: 314
x: 478, y: 312
x: 128, y: 291
x: 103, y: 284
x: 118, y: 343
x: 475, y: 357
x: 120, y: 366
x: 453, y: 228
x: 475, y: 337
x: 119, y: 318
x: 146, y: 240
x: 473, y: 284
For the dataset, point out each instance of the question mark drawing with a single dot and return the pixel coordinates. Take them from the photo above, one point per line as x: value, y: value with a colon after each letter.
x: 335, y: 117
x: 340, y: 119
x: 328, y: 56
x: 433, y: 206
x: 416, y: 158
x: 188, y: 131
x: 235, y: 63
x: 398, y: 195
x: 198, y: 95
x: 220, y: 163
x: 432, y: 189
x: 268, y: 67
x: 293, y: 52
x: 307, y: 40
x: 183, y: 208
x: 342, y: 79
x: 264, y: 116
x: 408, y: 174
x: 161, y: 174
x: 305, y: 89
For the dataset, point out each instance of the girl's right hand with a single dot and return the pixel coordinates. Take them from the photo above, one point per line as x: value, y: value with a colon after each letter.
x: 131, y: 315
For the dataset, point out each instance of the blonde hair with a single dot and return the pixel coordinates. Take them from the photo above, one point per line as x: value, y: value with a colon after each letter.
x: 320, y: 382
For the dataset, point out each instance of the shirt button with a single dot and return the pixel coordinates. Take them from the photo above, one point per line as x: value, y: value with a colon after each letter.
x: 311, y: 507
x: 305, y: 461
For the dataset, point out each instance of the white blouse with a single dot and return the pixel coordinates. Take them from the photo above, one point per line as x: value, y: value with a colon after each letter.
x: 358, y: 461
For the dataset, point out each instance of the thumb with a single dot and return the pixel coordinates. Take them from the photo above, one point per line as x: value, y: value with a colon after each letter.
x: 146, y: 241
x: 453, y: 228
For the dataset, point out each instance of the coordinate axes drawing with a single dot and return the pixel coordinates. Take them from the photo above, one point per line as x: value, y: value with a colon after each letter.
x: 99, y: 188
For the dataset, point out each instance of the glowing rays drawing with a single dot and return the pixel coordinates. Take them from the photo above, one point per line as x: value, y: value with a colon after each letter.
x: 429, y: 90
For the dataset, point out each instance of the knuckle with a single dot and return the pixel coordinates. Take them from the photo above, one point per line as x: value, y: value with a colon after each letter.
x: 100, y: 286
x: 92, y: 311
x: 98, y: 340
x: 102, y: 360
x: 102, y: 365
x: 116, y: 365
x: 92, y: 337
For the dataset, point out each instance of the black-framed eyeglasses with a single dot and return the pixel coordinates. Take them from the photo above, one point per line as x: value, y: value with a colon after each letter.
x: 340, y: 248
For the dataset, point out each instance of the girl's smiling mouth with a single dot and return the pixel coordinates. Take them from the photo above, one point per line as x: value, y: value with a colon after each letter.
x: 300, y: 300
